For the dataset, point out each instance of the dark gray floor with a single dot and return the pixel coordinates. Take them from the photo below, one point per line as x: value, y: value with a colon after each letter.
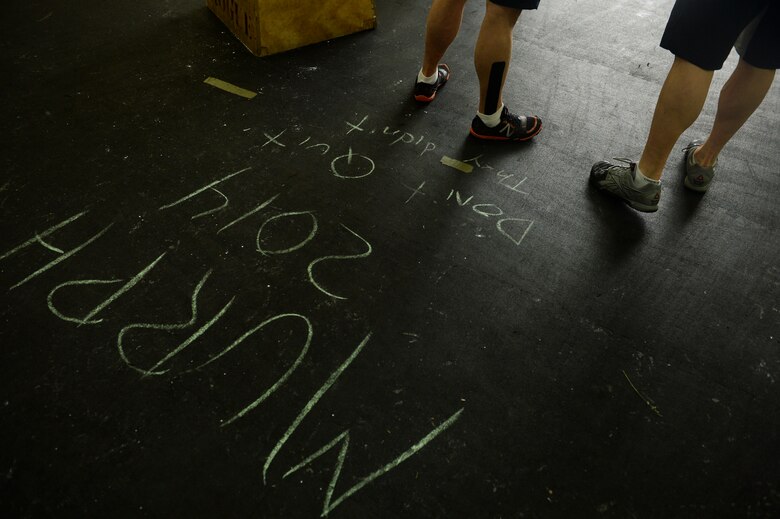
x: 499, y: 344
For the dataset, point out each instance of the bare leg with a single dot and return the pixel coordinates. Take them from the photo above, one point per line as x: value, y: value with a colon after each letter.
x: 739, y: 98
x: 679, y: 104
x: 443, y: 25
x: 494, y: 45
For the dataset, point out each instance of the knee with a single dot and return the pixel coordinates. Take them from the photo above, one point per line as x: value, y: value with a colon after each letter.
x: 753, y: 71
x: 500, y: 16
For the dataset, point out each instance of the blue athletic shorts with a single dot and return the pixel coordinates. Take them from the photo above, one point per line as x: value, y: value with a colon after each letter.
x: 517, y: 4
x: 704, y: 31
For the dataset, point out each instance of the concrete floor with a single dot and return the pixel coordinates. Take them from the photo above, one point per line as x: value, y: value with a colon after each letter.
x: 288, y: 306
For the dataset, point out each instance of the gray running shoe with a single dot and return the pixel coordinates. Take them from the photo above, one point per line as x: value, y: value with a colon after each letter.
x: 697, y: 177
x: 619, y: 181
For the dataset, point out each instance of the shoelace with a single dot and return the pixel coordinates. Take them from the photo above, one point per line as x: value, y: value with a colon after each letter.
x: 624, y: 160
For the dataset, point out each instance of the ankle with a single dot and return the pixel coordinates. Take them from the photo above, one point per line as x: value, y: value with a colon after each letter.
x: 429, y: 79
x: 429, y: 70
x: 651, y: 173
x: 492, y: 120
x: 704, y: 159
x: 641, y: 180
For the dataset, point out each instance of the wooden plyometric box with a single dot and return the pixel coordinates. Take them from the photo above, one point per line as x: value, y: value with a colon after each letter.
x: 271, y: 26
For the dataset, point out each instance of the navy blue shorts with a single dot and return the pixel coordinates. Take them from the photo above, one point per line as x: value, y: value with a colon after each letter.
x: 517, y: 4
x: 704, y: 31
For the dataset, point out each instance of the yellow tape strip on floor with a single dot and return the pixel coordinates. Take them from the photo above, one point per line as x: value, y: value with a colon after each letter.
x: 227, y: 87
x: 454, y: 163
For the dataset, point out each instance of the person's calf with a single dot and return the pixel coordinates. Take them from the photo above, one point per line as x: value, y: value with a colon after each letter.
x: 740, y: 96
x: 442, y: 26
x: 679, y: 104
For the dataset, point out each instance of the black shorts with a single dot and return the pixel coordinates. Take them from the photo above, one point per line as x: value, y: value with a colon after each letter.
x: 704, y: 31
x: 517, y: 4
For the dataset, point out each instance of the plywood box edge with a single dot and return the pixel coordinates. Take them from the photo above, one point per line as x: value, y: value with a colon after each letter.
x: 242, y: 18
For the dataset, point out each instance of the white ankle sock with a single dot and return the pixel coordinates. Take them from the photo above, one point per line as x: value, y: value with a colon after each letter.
x: 422, y: 78
x: 640, y: 180
x: 492, y: 120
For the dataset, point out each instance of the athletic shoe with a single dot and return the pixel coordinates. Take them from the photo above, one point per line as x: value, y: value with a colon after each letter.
x: 619, y: 181
x: 424, y: 93
x: 511, y: 128
x: 697, y: 177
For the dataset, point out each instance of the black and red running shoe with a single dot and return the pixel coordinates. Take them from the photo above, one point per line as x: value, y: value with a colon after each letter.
x: 424, y: 92
x: 511, y: 128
